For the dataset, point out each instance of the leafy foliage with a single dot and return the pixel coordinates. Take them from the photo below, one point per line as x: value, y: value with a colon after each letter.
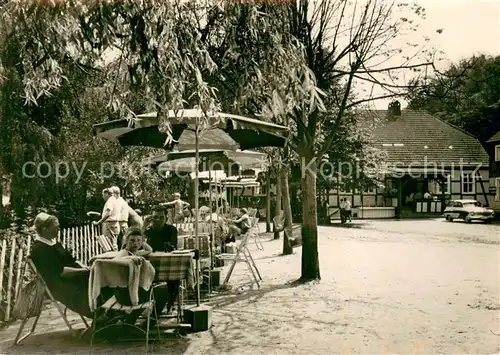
x: 467, y: 95
x: 55, y: 136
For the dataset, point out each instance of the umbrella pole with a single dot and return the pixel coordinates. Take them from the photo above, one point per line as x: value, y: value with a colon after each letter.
x: 211, y: 221
x: 197, y: 211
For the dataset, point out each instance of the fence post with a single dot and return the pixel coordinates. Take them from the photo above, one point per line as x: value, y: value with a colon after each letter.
x: 2, y: 267
x: 9, y: 281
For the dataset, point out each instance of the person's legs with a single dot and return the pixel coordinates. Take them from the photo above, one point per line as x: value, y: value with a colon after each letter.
x: 123, y: 232
x: 75, y: 295
x: 173, y: 292
x: 162, y: 298
x: 178, y: 217
x: 111, y: 230
x: 234, y: 230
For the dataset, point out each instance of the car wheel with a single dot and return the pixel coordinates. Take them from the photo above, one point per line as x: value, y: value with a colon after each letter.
x: 449, y: 219
x: 468, y: 219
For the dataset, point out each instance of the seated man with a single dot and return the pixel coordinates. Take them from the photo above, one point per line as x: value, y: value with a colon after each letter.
x: 160, y: 235
x: 241, y: 225
x: 163, y: 237
x: 66, y: 279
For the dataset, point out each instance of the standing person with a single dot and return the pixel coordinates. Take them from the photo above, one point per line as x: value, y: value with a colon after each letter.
x: 163, y: 237
x: 179, y: 207
x: 123, y: 209
x: 347, y: 204
x: 109, y: 218
x: 342, y: 210
x: 134, y: 219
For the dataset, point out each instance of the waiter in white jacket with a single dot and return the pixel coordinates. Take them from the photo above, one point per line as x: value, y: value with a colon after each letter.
x: 109, y: 218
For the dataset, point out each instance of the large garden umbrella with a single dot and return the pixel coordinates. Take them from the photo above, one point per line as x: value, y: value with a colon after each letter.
x: 224, y: 131
x: 210, y: 159
x: 217, y: 131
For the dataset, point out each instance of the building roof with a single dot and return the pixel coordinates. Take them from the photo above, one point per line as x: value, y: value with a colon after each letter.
x: 495, y: 138
x: 418, y: 138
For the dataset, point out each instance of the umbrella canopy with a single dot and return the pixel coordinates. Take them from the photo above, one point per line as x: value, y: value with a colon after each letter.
x: 211, y: 159
x: 225, y: 131
x: 186, y: 165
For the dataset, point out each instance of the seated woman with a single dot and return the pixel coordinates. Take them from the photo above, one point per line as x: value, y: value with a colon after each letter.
x: 239, y: 226
x: 66, y: 279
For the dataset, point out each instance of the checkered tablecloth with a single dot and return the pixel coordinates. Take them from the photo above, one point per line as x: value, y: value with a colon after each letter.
x: 173, y: 266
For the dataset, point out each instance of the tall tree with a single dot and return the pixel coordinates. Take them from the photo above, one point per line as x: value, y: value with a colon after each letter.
x: 467, y: 94
x: 343, y: 43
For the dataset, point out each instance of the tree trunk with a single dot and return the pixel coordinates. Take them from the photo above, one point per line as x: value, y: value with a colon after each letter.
x: 278, y: 199
x: 268, y: 202
x: 287, y: 209
x: 310, y: 257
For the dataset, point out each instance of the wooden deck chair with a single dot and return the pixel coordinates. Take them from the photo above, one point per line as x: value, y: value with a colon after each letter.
x: 113, y: 305
x: 60, y: 309
x: 242, y: 254
x: 106, y: 246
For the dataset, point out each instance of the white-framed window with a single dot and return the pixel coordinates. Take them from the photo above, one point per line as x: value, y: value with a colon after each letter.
x: 370, y: 191
x: 497, y: 189
x: 497, y: 152
x: 468, y: 183
x: 445, y: 187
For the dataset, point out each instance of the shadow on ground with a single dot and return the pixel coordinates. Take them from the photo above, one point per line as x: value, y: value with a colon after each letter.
x: 69, y: 343
x: 347, y: 225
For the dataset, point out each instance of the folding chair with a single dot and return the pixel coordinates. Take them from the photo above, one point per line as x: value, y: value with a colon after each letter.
x: 205, y: 254
x: 113, y: 305
x: 242, y: 254
x: 255, y: 232
x: 60, y: 309
x: 252, y: 212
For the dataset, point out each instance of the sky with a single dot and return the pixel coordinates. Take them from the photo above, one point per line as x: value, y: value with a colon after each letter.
x: 469, y: 27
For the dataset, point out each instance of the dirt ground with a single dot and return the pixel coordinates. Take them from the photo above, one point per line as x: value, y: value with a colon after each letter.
x: 394, y: 287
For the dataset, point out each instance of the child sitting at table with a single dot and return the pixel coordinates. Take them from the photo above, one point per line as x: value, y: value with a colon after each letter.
x: 136, y: 248
x: 134, y: 244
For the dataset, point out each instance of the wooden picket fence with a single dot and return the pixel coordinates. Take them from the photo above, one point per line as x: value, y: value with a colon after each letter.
x: 14, y: 251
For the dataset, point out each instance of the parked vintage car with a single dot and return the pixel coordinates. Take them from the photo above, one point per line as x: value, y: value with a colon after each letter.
x: 468, y: 210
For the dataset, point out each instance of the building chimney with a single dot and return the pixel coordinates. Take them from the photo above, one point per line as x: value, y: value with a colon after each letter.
x: 394, y: 110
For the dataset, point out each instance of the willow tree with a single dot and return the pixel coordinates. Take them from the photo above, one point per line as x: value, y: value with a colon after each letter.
x: 283, y: 60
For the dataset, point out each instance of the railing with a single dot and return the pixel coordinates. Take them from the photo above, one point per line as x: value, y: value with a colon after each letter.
x: 14, y: 251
